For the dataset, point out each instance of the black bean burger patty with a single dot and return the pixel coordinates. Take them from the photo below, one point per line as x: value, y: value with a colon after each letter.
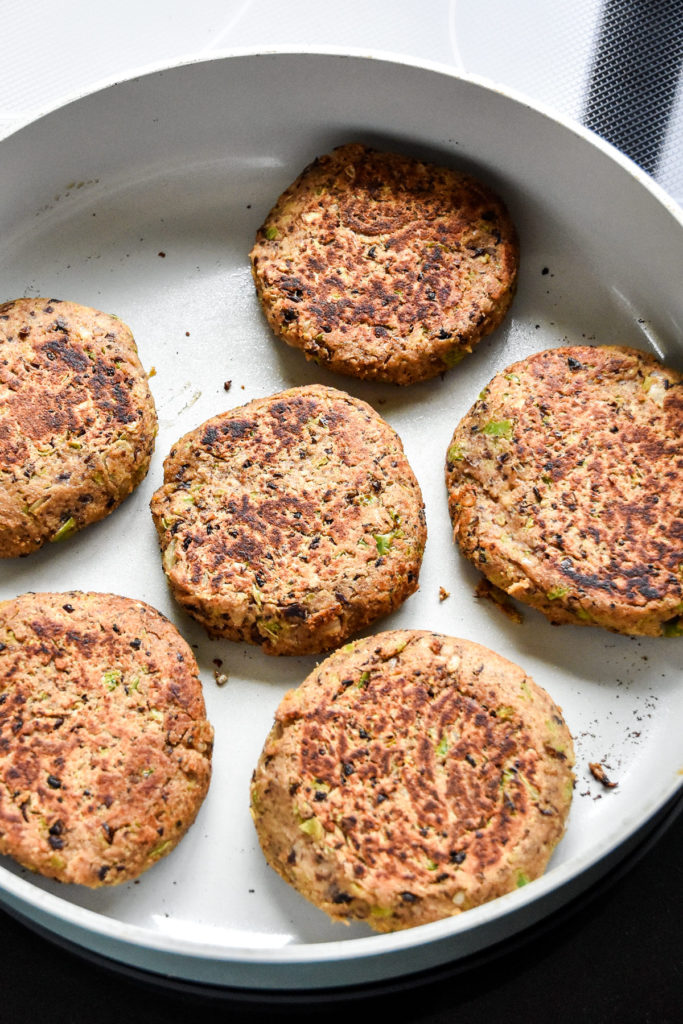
x: 291, y: 522
x: 410, y: 777
x: 384, y: 267
x: 105, y: 750
x: 77, y: 420
x: 565, y: 484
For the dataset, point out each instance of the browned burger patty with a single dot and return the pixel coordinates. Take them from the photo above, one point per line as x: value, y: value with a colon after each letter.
x: 383, y: 267
x: 105, y: 750
x: 77, y: 420
x: 291, y: 522
x: 565, y: 484
x: 410, y: 777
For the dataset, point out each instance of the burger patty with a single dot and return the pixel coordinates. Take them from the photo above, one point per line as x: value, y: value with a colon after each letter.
x: 410, y: 777
x: 77, y: 420
x: 384, y: 267
x: 291, y: 522
x: 565, y: 485
x: 105, y: 750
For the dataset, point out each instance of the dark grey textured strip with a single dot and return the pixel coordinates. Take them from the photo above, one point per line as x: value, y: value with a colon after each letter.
x: 636, y: 69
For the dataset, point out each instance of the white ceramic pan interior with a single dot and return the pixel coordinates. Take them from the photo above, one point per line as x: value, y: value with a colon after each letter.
x: 143, y: 200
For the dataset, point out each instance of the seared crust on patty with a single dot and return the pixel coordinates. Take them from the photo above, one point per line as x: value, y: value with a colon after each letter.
x: 565, y: 484
x: 291, y: 522
x: 105, y: 750
x: 383, y: 267
x: 410, y: 777
x: 77, y: 420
